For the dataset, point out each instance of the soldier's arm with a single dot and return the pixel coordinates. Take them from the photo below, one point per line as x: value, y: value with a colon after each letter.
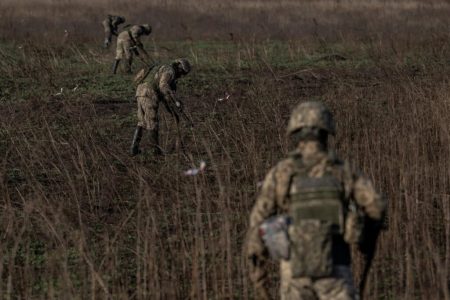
x: 271, y: 199
x: 266, y: 202
x: 106, y: 25
x: 366, y: 196
x: 108, y: 33
x: 264, y: 207
x: 114, y: 29
x: 139, y: 44
x: 136, y: 33
x: 165, y: 82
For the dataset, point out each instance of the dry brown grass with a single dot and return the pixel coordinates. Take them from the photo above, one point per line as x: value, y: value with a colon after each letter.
x: 80, y: 219
x: 176, y: 19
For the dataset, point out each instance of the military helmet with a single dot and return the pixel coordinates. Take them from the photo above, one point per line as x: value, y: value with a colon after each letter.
x: 184, y: 64
x: 312, y: 115
x: 147, y: 28
x: 120, y: 20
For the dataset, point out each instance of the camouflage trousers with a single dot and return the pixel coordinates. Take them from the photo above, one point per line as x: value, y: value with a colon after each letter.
x: 337, y: 287
x: 147, y: 107
x: 108, y: 37
x: 123, y: 51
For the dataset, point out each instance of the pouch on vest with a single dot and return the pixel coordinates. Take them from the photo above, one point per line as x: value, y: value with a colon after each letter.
x: 311, y: 244
x: 274, y: 233
x: 317, y: 215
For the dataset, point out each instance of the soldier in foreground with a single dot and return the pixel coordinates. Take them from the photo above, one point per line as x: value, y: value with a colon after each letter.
x: 111, y: 26
x: 321, y: 206
x: 159, y: 85
x: 129, y: 44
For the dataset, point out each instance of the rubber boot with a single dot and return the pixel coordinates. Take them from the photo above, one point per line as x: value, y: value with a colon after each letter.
x: 154, y: 141
x: 115, y: 66
x: 128, y: 66
x: 134, y: 150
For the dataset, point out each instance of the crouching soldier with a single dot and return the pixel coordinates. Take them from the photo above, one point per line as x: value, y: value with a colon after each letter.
x: 311, y: 208
x: 159, y: 85
x: 129, y: 44
x: 111, y: 26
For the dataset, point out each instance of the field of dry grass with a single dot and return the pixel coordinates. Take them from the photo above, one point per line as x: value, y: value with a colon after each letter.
x: 334, y: 20
x: 80, y: 219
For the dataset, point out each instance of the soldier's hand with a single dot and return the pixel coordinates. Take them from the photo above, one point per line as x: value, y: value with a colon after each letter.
x: 371, y: 230
x: 256, y: 268
x: 255, y: 247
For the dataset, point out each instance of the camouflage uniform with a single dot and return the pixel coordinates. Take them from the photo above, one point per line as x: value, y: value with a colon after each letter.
x: 110, y: 25
x: 296, y: 175
x: 129, y: 44
x: 159, y: 86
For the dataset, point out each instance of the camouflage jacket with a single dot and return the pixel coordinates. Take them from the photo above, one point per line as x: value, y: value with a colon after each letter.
x: 134, y: 34
x: 163, y: 81
x: 274, y: 198
x: 111, y: 24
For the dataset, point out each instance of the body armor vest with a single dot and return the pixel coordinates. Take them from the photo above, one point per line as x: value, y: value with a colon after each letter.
x: 317, y: 221
x: 318, y: 199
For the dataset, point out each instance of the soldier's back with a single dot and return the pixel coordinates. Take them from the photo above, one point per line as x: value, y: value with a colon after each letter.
x: 135, y: 30
x: 160, y: 75
x: 123, y: 36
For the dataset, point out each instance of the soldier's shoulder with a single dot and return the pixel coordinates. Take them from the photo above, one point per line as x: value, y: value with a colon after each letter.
x: 281, y: 172
x: 286, y: 165
x: 344, y: 166
x: 123, y: 34
x: 136, y: 28
x: 166, y: 70
x: 132, y: 29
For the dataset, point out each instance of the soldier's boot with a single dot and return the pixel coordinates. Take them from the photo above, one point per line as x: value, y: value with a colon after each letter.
x: 134, y: 150
x: 128, y: 66
x: 115, y: 66
x: 154, y: 141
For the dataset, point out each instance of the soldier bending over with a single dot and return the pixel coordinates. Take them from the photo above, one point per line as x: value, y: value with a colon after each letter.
x: 158, y: 86
x: 111, y: 26
x: 129, y: 44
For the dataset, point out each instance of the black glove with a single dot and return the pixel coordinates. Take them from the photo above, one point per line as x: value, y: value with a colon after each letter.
x: 369, y: 238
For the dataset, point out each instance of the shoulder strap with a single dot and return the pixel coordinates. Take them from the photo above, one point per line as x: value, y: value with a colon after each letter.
x: 284, y: 179
x: 148, y: 71
x: 131, y: 37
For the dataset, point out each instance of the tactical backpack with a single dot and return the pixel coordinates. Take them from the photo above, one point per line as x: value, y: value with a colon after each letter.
x: 317, y: 212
